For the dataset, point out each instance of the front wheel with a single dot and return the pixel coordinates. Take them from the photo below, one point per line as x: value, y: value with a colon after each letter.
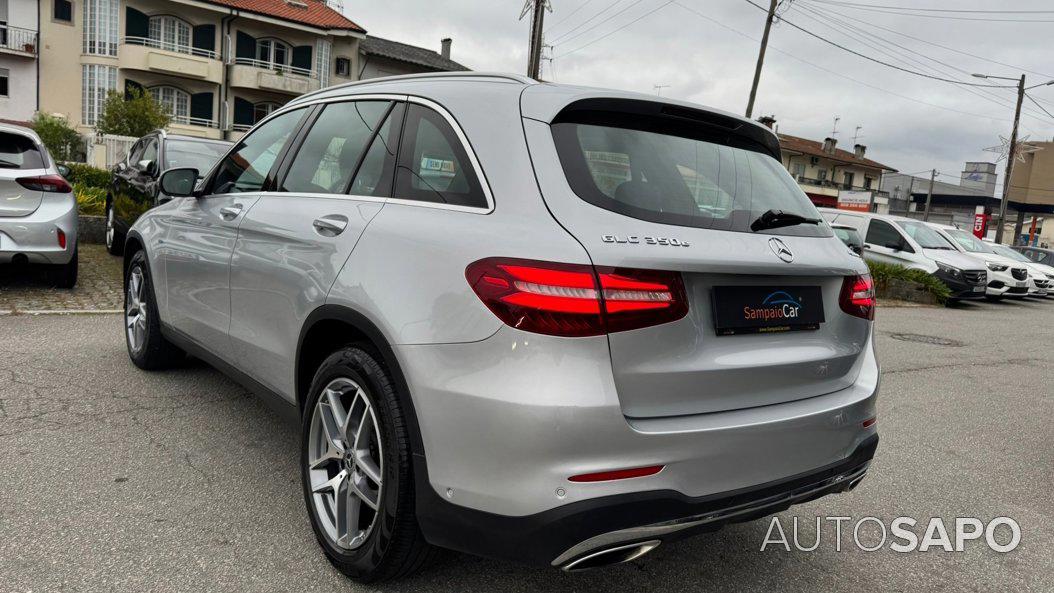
x: 356, y: 469
x: 148, y: 349
x: 114, y: 239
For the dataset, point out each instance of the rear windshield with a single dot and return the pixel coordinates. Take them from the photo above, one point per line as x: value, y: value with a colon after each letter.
x: 198, y: 155
x: 678, y: 180
x: 969, y: 242
x: 924, y: 235
x: 19, y: 152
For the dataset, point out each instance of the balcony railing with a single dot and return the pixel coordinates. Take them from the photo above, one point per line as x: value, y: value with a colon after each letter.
x: 169, y: 46
x: 242, y: 127
x: 828, y: 183
x: 18, y: 39
x: 194, y: 121
x: 275, y: 67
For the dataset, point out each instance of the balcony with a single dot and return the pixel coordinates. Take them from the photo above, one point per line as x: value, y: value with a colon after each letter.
x: 195, y: 126
x: 268, y: 76
x: 151, y: 55
x: 17, y: 41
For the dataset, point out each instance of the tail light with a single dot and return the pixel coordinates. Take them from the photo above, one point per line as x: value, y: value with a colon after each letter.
x: 858, y: 296
x: 48, y: 183
x: 576, y: 299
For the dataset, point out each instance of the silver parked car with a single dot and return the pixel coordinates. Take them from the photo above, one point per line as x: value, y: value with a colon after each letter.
x: 38, y: 212
x: 532, y: 321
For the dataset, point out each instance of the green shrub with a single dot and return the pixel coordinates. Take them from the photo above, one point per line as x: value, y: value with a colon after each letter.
x: 91, y: 201
x: 88, y: 175
x: 61, y: 140
x: 882, y: 273
x: 136, y: 114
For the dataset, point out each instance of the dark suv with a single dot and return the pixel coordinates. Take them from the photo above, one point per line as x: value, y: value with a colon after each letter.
x: 135, y: 188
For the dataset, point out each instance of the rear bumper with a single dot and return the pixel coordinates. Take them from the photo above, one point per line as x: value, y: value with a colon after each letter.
x: 36, y: 236
x: 562, y: 535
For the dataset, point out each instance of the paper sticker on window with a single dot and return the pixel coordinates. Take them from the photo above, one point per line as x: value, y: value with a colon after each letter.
x: 442, y: 166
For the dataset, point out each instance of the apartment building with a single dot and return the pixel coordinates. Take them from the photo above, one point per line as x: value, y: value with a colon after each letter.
x: 18, y: 59
x: 218, y: 66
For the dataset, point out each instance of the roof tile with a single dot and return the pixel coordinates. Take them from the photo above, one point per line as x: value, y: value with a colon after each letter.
x: 314, y: 12
x: 814, y: 148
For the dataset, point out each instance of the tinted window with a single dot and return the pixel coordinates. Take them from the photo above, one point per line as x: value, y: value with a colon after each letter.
x: 374, y: 177
x: 925, y: 235
x: 883, y: 234
x: 149, y: 152
x: 245, y: 169
x: 327, y: 158
x: 433, y: 165
x: 198, y: 155
x: 654, y: 174
x: 19, y: 152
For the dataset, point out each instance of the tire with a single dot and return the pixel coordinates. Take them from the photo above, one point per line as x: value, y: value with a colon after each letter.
x: 391, y: 546
x: 149, y: 350
x: 65, y: 275
x: 114, y: 239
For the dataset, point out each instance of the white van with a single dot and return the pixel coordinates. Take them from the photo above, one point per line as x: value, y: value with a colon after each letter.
x: 914, y: 244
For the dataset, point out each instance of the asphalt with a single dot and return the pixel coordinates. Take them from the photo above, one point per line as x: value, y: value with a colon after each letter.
x: 113, y: 479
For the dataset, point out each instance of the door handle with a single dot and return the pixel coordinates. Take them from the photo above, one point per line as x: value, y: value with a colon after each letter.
x: 231, y: 212
x: 330, y: 226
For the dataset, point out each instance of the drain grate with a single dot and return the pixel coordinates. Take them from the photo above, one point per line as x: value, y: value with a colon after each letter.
x: 931, y: 340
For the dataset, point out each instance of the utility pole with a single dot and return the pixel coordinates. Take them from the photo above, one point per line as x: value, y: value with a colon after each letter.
x: 761, y: 56
x: 534, y: 51
x: 929, y: 196
x: 1010, y: 157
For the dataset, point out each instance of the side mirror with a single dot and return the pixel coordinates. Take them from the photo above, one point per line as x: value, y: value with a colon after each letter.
x: 63, y: 170
x: 120, y: 166
x: 179, y: 183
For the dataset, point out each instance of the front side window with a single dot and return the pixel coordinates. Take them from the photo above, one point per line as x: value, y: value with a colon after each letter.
x: 171, y: 33
x: 246, y: 168
x: 327, y: 158
x: 881, y: 233
x: 656, y: 175
x: 149, y: 154
x: 174, y: 101
x: 19, y: 152
x: 924, y: 235
x: 433, y: 164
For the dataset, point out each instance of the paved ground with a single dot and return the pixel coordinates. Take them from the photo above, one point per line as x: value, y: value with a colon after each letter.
x: 98, y: 286
x: 119, y: 480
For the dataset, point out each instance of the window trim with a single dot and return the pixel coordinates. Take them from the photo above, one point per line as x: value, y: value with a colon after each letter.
x: 466, y: 145
x: 73, y: 14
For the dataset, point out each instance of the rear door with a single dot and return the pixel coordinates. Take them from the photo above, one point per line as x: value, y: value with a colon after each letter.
x: 657, y: 192
x: 298, y: 236
x: 19, y: 157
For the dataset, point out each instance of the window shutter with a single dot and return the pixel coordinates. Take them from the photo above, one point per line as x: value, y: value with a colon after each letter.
x: 201, y: 106
x: 136, y: 24
x: 243, y: 112
x: 302, y: 57
x: 205, y: 37
x: 245, y: 46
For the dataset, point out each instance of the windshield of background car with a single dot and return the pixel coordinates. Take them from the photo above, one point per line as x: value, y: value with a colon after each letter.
x: 19, y: 152
x: 198, y: 155
x: 672, y: 179
x: 924, y: 235
x: 969, y: 242
x: 1005, y: 251
x: 848, y: 236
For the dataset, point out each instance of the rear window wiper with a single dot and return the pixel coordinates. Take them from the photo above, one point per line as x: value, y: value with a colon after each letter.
x: 774, y: 219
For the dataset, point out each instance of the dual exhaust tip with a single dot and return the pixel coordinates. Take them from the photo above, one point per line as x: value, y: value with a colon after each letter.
x: 611, y: 556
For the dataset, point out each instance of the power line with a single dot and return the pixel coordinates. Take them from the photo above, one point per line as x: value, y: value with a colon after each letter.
x: 1040, y: 106
x: 571, y: 14
x: 934, y: 44
x: 612, y: 32
x: 568, y: 34
x: 877, y: 61
x: 858, y: 5
x: 836, y: 73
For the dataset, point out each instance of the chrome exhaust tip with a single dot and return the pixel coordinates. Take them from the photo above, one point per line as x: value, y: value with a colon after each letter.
x: 611, y: 556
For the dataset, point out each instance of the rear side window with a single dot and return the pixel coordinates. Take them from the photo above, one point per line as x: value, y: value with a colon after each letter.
x: 433, y: 164
x: 327, y: 158
x: 374, y: 177
x: 654, y: 174
x: 19, y: 152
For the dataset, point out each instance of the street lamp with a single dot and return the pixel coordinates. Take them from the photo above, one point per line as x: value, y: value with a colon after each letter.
x: 1012, y: 149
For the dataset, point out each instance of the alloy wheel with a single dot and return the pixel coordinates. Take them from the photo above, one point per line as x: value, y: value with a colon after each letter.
x: 135, y: 313
x: 345, y: 463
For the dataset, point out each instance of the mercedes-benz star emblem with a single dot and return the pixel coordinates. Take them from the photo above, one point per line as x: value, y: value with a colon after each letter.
x: 781, y: 250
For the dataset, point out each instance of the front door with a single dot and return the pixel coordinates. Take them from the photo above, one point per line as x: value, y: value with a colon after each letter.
x: 296, y: 240
x: 201, y: 233
x: 885, y: 244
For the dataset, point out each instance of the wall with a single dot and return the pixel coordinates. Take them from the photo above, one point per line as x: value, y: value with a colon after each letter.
x: 60, y: 64
x: 21, y: 101
x: 1032, y: 181
x: 376, y: 67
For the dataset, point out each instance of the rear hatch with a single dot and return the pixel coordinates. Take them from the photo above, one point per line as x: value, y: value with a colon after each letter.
x: 19, y: 157
x: 643, y: 189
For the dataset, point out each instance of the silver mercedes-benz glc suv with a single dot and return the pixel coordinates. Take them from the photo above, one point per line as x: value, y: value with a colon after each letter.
x: 549, y: 323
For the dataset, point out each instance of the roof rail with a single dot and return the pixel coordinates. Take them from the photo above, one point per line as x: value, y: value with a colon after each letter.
x: 422, y: 76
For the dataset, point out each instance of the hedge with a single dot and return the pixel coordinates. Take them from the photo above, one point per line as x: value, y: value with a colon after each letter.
x: 882, y: 273
x: 88, y: 175
x: 91, y: 201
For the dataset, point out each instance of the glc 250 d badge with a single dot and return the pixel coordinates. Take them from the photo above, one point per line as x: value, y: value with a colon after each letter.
x: 781, y: 250
x: 635, y: 240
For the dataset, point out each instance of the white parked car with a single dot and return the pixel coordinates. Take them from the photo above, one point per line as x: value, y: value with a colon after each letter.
x: 1041, y: 276
x: 1007, y: 277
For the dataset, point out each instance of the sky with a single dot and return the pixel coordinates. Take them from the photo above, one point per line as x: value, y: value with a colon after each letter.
x: 705, y: 51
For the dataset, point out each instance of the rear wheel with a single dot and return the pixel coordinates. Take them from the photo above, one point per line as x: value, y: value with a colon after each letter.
x: 147, y: 348
x: 356, y: 469
x: 114, y: 239
x: 65, y: 275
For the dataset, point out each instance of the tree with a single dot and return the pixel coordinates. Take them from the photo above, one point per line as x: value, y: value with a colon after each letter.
x: 61, y: 140
x: 134, y: 114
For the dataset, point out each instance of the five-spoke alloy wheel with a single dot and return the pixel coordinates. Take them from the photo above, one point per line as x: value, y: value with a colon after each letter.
x: 136, y: 310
